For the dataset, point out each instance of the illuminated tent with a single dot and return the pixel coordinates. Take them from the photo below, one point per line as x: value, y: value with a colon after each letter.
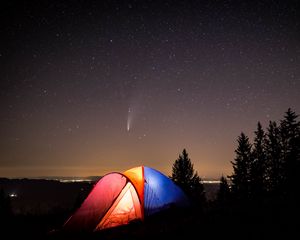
x: 118, y: 199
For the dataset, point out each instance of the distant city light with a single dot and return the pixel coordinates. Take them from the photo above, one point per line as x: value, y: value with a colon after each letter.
x: 73, y: 180
x: 211, y: 181
x: 13, y: 195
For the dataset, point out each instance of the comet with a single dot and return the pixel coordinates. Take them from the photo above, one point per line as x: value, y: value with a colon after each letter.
x: 128, y: 124
x: 129, y: 117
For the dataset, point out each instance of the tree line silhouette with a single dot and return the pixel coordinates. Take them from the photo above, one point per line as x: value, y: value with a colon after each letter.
x: 260, y: 199
x: 268, y: 167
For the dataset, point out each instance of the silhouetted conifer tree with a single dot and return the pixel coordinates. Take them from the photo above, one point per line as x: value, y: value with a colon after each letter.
x: 241, y: 168
x: 224, y: 191
x: 258, y: 164
x: 290, y: 141
x: 274, y: 159
x: 184, y: 175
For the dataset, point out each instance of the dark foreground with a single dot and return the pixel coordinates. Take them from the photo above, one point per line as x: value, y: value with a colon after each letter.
x: 231, y: 222
x: 36, y: 213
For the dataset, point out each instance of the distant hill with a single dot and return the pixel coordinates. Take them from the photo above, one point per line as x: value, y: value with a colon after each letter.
x: 42, y: 196
x: 50, y: 194
x: 211, y: 189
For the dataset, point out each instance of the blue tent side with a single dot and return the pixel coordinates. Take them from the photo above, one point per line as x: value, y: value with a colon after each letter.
x: 161, y: 193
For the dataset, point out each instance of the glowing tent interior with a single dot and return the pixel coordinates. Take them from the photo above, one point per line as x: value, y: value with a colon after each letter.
x: 119, y: 198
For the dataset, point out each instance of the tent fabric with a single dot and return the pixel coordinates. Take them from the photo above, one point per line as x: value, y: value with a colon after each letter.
x: 97, y: 203
x: 117, y: 199
x: 161, y: 192
x: 136, y: 176
x: 125, y: 209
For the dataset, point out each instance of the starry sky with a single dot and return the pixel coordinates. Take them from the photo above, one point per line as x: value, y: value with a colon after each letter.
x: 89, y: 87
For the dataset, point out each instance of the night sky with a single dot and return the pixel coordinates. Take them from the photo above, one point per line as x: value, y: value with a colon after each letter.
x: 89, y: 87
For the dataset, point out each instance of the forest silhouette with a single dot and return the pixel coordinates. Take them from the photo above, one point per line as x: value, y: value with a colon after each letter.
x: 259, y: 200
